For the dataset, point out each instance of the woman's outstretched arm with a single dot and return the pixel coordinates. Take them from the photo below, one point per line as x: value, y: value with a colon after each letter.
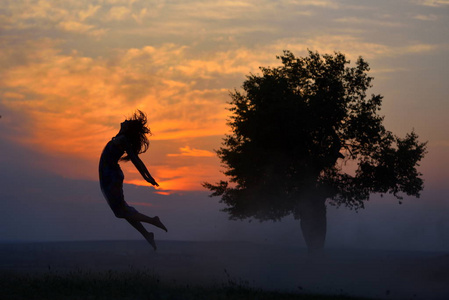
x: 140, y: 166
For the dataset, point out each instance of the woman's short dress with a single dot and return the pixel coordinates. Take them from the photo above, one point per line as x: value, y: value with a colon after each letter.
x: 111, y: 180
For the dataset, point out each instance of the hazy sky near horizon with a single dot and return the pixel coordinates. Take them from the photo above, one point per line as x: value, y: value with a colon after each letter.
x: 71, y: 71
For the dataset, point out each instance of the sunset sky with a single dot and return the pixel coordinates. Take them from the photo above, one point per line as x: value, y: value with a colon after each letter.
x: 71, y: 71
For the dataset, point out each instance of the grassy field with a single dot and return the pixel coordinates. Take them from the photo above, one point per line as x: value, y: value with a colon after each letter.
x: 129, y: 285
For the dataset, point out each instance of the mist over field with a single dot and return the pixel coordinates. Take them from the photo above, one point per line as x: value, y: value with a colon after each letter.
x: 71, y: 210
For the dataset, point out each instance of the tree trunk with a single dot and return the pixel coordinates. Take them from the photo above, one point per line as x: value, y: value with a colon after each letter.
x: 312, y: 213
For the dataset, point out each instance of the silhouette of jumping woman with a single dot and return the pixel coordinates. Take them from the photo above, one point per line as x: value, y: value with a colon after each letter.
x: 131, y: 139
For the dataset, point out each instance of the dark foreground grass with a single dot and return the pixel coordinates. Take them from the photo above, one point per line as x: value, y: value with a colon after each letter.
x: 133, y: 285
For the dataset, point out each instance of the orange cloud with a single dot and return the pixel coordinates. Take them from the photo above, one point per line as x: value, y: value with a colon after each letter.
x: 187, y: 173
x: 13, y: 95
x: 118, y: 13
x: 175, y: 60
x: 89, y: 12
x: 75, y: 104
x: 352, y: 46
x: 187, y: 151
x: 75, y: 26
x: 433, y: 3
x: 186, y: 177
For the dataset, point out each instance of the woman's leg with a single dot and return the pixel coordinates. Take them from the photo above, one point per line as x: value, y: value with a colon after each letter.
x: 143, y: 218
x: 113, y: 191
x: 149, y: 236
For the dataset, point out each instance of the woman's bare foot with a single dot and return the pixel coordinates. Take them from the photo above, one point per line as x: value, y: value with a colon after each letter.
x: 150, y: 239
x: 159, y: 224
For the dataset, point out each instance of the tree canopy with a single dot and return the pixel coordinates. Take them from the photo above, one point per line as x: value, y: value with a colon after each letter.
x: 296, y: 127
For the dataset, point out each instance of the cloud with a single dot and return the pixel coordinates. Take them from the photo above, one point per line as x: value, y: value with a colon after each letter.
x: 187, y: 151
x: 185, y: 178
x: 316, y: 3
x: 75, y: 103
x: 75, y: 69
x: 433, y: 3
x: 219, y: 10
x: 118, y: 13
x: 69, y: 95
x: 89, y: 12
x: 139, y: 17
x: 13, y: 95
x: 177, y: 177
x: 237, y: 61
x: 426, y: 17
x: 352, y: 21
x: 44, y: 16
x: 74, y: 26
x: 419, y: 48
x: 353, y: 47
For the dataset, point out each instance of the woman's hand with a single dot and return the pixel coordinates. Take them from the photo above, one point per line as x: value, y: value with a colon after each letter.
x: 152, y: 181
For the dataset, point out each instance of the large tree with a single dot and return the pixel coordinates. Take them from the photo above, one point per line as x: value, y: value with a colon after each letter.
x: 295, y: 130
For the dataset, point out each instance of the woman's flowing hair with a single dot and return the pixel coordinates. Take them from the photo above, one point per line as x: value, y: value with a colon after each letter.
x: 137, y: 133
